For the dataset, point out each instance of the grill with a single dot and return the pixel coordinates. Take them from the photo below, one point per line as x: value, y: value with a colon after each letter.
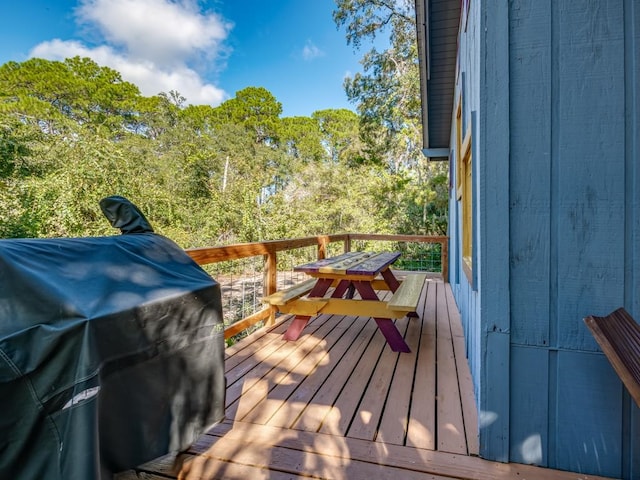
x: 111, y: 351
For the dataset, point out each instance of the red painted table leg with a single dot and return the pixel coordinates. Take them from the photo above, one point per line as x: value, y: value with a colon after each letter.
x: 391, y: 280
x: 296, y: 327
x: 392, y: 335
x: 342, y: 287
x: 300, y: 321
x: 386, y: 326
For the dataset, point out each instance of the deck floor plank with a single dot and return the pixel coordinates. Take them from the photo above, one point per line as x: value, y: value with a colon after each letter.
x: 338, y: 403
x: 394, y: 421
x: 272, y: 371
x: 307, y: 388
x: 338, y: 419
x: 294, y: 370
x: 421, y: 430
x: 316, y: 411
x: 365, y: 423
x: 467, y: 397
x: 450, y: 423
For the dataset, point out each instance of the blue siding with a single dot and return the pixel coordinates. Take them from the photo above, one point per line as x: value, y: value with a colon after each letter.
x: 631, y: 413
x: 589, y: 417
x: 568, y: 192
x: 557, y: 227
x: 632, y: 155
x: 530, y: 175
x: 589, y: 160
x: 492, y: 199
x: 530, y: 406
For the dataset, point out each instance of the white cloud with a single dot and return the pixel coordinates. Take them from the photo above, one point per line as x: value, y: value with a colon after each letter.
x: 152, y: 43
x: 163, y: 31
x: 310, y: 51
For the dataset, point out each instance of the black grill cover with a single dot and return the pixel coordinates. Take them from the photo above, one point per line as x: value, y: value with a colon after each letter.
x: 111, y: 354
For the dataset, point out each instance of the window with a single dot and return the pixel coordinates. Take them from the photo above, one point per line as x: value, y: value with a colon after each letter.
x: 464, y: 189
x: 467, y: 206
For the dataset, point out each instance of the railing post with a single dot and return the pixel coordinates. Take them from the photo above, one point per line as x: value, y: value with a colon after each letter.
x: 271, y: 282
x: 322, y: 247
x: 347, y: 244
x: 444, y: 260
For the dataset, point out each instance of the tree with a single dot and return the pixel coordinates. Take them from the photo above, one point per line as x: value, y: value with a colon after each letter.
x: 341, y: 135
x: 257, y: 110
x: 59, y: 96
x: 72, y: 133
x: 388, y: 101
x: 388, y: 92
x: 301, y: 138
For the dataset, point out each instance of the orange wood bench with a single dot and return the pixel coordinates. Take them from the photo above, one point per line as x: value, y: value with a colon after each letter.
x: 283, y: 297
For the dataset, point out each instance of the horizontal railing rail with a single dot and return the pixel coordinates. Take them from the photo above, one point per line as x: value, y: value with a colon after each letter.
x: 249, y: 271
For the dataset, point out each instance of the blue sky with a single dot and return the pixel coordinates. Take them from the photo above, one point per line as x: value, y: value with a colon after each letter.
x: 206, y: 50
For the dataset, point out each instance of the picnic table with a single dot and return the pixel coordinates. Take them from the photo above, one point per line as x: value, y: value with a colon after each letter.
x: 351, y: 272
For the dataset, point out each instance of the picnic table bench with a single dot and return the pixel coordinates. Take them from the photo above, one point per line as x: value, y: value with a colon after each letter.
x: 618, y: 334
x: 364, y: 272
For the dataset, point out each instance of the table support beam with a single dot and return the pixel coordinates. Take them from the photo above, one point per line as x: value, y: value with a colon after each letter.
x: 386, y: 325
x: 300, y: 321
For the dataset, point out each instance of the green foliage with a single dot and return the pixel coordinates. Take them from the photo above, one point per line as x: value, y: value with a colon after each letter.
x: 388, y: 92
x: 73, y: 132
x: 341, y: 133
x: 301, y: 139
x: 57, y: 95
x: 257, y: 110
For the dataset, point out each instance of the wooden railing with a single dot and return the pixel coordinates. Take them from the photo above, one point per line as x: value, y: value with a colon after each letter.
x: 269, y: 251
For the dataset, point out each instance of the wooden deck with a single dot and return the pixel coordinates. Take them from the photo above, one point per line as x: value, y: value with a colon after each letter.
x: 339, y: 404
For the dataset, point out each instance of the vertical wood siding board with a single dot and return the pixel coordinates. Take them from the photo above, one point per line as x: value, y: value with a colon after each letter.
x: 632, y: 153
x: 553, y: 8
x: 475, y: 205
x: 631, y: 460
x: 529, y: 171
x: 494, y: 413
x: 591, y: 112
x: 592, y: 446
x: 455, y: 228
x: 476, y: 350
x: 529, y: 400
x: 493, y: 225
x: 552, y: 407
x: 632, y: 452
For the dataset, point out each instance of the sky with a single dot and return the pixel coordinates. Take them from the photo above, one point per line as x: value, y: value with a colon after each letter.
x: 206, y: 50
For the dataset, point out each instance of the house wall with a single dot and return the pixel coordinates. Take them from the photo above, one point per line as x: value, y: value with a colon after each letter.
x: 573, y: 197
x: 552, y: 88
x: 483, y: 296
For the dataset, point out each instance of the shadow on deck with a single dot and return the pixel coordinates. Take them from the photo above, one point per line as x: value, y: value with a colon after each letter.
x: 338, y: 403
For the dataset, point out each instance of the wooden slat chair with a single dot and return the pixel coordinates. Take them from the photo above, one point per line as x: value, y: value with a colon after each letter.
x: 618, y: 334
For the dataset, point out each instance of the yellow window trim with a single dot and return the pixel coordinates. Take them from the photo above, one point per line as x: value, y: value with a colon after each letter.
x: 467, y: 206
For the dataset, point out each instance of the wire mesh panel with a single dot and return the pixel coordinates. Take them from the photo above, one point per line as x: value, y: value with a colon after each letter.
x: 421, y: 257
x: 288, y: 260
x: 241, y: 284
x: 242, y: 269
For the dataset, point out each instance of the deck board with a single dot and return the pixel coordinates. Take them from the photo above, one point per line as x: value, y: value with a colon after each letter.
x: 316, y: 412
x: 338, y: 403
x: 365, y: 423
x: 421, y: 428
x: 450, y: 422
x: 393, y: 424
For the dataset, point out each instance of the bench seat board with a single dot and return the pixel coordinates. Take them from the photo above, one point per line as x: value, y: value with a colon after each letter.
x: 282, y: 297
x: 341, y: 306
x: 408, y: 294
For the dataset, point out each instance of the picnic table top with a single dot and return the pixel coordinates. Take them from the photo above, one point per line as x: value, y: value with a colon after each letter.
x: 351, y: 263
